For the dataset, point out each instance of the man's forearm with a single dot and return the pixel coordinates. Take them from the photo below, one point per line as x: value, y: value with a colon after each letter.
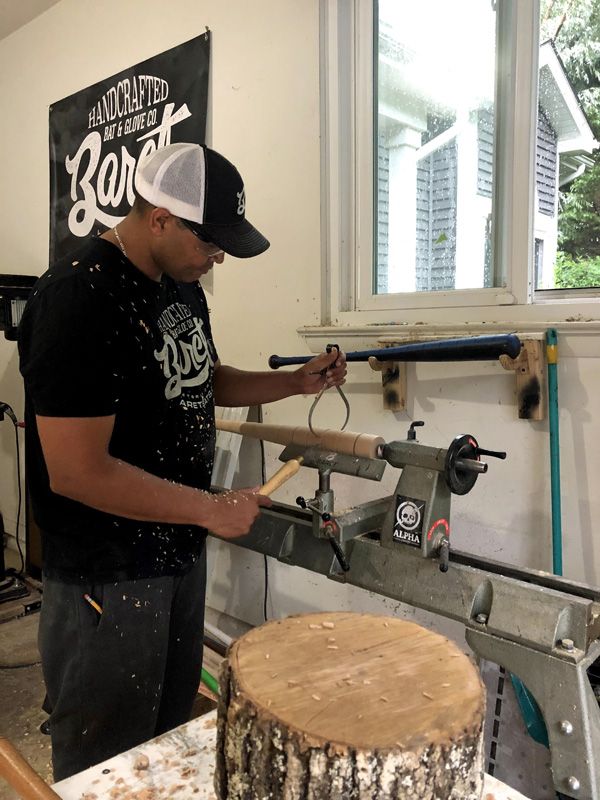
x: 76, y: 452
x: 235, y: 387
x: 126, y: 491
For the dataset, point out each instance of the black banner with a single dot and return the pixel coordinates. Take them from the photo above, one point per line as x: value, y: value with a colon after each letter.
x: 98, y: 135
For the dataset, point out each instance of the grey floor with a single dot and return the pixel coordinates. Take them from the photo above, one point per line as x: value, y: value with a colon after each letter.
x: 22, y: 693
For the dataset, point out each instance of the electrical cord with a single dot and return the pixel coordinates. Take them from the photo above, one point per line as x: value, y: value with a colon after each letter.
x: 6, y: 409
x: 263, y: 481
x: 4, y: 666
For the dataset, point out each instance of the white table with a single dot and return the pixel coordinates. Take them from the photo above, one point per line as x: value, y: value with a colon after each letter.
x: 180, y: 765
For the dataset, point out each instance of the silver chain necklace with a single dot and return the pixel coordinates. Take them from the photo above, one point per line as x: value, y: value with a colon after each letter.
x: 120, y: 241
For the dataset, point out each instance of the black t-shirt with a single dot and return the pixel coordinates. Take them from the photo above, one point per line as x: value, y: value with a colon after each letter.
x: 99, y: 338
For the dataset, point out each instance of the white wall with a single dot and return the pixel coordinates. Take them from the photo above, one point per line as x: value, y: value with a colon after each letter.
x: 265, y: 117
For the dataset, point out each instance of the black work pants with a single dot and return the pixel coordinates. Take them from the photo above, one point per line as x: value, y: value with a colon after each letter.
x: 117, y: 679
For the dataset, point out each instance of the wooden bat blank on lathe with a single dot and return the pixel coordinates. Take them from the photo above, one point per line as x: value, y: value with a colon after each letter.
x: 364, y: 445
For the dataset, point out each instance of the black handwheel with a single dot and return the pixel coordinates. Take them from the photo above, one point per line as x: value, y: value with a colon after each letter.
x: 461, y: 481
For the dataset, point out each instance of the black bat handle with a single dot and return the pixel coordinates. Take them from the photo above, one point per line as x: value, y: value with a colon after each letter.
x: 281, y: 361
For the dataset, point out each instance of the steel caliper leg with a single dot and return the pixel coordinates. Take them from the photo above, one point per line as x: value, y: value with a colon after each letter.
x: 563, y: 692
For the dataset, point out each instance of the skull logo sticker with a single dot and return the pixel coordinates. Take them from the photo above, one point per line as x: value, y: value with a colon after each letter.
x: 408, y: 515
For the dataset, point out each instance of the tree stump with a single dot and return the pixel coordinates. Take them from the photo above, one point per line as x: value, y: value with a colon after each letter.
x: 347, y: 706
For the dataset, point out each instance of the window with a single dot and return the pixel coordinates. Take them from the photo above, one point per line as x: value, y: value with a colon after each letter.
x: 567, y: 215
x: 434, y: 145
x: 447, y: 184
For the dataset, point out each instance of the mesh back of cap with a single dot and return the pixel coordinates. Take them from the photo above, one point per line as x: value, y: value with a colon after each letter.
x: 176, y: 173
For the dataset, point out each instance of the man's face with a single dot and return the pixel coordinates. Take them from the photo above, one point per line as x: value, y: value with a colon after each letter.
x: 186, y: 257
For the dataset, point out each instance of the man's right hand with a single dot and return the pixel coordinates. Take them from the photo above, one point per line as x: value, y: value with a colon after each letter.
x: 233, y: 513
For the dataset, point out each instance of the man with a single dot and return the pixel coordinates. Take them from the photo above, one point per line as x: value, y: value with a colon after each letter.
x: 122, y: 377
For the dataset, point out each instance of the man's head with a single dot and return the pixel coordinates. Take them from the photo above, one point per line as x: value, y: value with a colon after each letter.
x: 205, y: 191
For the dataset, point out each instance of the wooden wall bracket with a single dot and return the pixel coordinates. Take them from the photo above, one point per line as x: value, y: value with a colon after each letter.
x: 530, y: 370
x: 393, y: 383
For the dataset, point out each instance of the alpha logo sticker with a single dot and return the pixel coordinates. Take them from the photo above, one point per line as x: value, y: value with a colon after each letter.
x: 409, y: 520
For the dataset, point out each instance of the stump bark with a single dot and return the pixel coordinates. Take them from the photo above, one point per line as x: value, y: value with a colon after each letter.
x: 347, y: 706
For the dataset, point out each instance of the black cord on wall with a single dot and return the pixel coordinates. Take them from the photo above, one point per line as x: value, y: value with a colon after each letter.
x: 263, y: 481
x: 6, y: 409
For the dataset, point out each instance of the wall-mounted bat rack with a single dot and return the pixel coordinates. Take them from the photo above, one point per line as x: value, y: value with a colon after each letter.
x: 529, y: 368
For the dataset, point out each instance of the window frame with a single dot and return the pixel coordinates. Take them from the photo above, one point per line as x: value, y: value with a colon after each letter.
x: 348, y: 115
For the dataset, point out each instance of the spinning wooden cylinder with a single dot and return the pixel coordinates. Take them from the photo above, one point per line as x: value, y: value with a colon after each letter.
x: 349, y: 706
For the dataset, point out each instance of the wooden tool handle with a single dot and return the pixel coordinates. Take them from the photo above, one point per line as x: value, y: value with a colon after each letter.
x: 289, y: 469
x: 355, y: 444
x: 21, y: 776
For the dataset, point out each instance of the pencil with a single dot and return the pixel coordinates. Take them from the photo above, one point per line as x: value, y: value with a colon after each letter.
x: 93, y: 603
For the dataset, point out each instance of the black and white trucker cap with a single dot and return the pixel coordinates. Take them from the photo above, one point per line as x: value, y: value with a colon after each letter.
x: 203, y: 188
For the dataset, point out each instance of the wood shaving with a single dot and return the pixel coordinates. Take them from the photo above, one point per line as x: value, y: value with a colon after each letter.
x: 187, y: 772
x: 141, y: 762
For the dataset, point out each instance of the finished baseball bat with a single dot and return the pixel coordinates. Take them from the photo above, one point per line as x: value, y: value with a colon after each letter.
x: 472, y: 348
x: 364, y: 445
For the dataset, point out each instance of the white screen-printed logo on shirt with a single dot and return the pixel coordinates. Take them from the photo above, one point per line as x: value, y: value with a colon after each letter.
x: 185, y: 357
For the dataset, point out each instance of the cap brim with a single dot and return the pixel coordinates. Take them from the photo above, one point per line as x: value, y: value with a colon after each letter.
x: 241, y: 240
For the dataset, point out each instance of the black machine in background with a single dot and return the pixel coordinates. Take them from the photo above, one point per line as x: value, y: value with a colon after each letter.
x: 14, y: 291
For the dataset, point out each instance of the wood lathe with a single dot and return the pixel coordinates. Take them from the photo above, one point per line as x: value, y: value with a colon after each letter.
x: 541, y: 628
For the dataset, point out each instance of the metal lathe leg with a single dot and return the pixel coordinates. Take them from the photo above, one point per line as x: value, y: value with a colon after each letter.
x: 562, y: 690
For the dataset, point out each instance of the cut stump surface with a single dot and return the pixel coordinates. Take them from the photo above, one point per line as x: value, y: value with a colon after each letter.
x: 346, y: 706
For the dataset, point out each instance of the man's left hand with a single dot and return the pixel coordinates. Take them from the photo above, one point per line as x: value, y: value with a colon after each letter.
x: 331, y: 365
